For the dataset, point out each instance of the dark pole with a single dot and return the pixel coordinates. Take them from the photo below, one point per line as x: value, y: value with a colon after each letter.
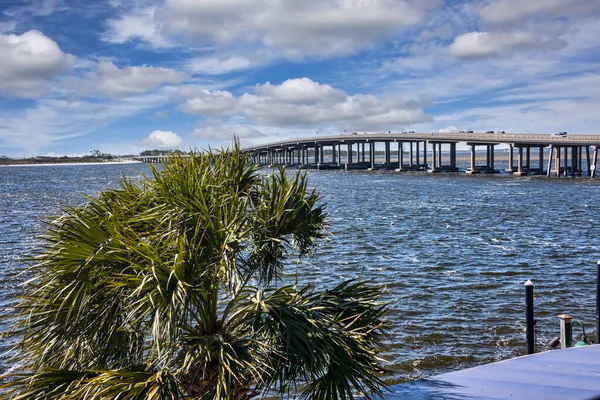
x: 530, y: 333
x: 598, y: 302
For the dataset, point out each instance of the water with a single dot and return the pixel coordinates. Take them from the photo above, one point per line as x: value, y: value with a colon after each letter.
x: 453, y: 252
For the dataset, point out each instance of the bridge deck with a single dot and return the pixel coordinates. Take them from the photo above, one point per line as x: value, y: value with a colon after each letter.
x: 516, y: 138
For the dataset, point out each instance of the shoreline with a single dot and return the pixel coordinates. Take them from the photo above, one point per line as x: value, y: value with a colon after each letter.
x: 72, y: 163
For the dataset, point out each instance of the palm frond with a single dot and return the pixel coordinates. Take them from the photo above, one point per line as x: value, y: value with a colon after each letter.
x: 145, y: 292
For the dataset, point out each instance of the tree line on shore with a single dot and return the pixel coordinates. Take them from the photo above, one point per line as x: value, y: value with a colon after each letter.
x: 94, y: 156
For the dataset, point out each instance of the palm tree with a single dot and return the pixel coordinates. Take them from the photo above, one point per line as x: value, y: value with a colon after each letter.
x: 170, y: 288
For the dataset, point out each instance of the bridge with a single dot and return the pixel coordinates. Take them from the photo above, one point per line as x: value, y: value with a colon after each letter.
x: 409, y: 152
x: 563, y: 155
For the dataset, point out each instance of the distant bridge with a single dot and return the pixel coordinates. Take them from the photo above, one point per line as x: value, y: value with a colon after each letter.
x: 357, y: 151
x: 410, y: 152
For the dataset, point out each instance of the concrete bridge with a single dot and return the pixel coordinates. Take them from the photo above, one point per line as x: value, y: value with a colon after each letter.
x: 564, y: 154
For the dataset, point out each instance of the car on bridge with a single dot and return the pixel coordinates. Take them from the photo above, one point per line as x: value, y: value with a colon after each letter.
x: 490, y: 132
x: 560, y: 134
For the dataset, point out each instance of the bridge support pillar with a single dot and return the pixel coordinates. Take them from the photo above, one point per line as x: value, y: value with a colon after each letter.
x: 349, y: 154
x: 489, y: 166
x: 388, y: 157
x: 524, y: 164
x: 511, y: 159
x: 437, y: 164
x: 565, y: 165
x: 413, y: 161
x: 587, y: 153
x: 566, y: 160
x: 594, y: 162
x: 333, y: 155
x: 321, y: 154
x: 400, y: 156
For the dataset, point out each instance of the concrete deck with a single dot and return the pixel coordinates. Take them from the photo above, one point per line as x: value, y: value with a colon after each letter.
x: 569, y: 374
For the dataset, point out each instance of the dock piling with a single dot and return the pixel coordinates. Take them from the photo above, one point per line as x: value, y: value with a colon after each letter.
x: 529, y: 316
x: 566, y: 331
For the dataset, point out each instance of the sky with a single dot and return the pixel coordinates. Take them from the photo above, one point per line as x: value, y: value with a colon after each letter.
x: 122, y: 76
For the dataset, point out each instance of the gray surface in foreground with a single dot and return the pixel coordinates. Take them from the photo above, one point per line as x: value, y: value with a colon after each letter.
x: 560, y: 374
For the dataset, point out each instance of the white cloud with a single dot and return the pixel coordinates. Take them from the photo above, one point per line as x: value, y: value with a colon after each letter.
x: 227, y: 132
x: 53, y: 120
x: 300, y: 91
x: 212, y: 21
x: 528, y: 91
x: 145, y: 25
x: 162, y: 140
x: 335, y: 27
x: 119, y: 82
x: 54, y: 154
x: 511, y: 11
x: 29, y: 62
x: 297, y: 29
x: 296, y: 102
x: 474, y: 45
x: 216, y: 65
x: 210, y: 103
x: 448, y: 129
x: 303, y: 102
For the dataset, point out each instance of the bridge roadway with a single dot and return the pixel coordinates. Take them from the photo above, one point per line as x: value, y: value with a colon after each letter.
x: 565, y: 153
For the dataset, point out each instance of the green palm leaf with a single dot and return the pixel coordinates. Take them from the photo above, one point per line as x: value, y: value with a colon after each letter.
x: 145, y: 292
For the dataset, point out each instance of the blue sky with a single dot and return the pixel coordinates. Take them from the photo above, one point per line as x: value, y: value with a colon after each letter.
x: 122, y: 76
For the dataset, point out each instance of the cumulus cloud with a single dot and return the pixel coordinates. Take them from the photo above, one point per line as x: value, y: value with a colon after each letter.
x: 335, y: 27
x: 119, y: 82
x: 227, y: 132
x: 209, y: 103
x: 474, y: 45
x: 310, y: 27
x: 305, y: 103
x: 144, y: 24
x: 162, y: 140
x: 510, y: 11
x: 217, y: 65
x: 29, y: 62
x: 300, y: 91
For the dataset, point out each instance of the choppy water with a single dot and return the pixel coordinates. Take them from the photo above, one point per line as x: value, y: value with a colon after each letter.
x: 454, y: 252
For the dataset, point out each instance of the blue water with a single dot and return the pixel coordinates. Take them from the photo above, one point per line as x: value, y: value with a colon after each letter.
x: 453, y: 252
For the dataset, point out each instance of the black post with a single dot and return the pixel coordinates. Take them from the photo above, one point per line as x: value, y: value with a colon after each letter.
x: 598, y: 302
x: 530, y: 332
